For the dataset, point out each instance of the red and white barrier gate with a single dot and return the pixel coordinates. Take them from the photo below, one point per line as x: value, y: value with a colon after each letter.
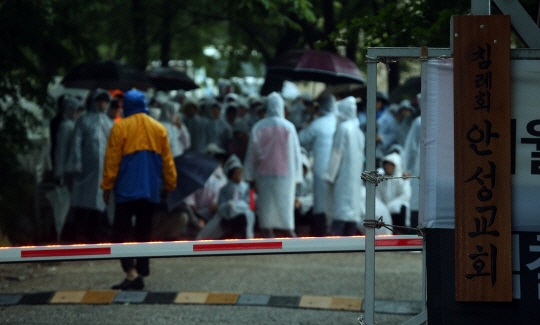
x: 206, y: 248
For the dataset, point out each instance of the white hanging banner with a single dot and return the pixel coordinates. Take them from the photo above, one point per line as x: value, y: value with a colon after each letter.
x: 437, y: 181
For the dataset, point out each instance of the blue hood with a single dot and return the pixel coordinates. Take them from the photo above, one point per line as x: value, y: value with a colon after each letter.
x: 133, y: 103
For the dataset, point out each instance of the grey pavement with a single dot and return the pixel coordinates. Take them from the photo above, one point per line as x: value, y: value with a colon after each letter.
x: 256, y: 278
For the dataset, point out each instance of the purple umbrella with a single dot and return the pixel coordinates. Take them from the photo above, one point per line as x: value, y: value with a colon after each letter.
x: 107, y: 75
x: 167, y: 78
x: 315, y: 65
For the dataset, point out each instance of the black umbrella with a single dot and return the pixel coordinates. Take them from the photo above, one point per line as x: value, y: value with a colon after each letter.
x: 408, y: 90
x: 107, y: 75
x: 193, y: 171
x: 167, y: 78
x: 313, y: 65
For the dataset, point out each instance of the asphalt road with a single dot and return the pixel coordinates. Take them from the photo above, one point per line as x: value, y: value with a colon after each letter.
x: 398, y: 278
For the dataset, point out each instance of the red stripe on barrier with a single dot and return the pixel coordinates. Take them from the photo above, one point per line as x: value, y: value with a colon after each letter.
x: 66, y: 252
x: 398, y: 242
x: 236, y: 246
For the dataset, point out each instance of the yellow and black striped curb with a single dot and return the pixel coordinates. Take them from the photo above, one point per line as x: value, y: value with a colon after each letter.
x: 100, y: 297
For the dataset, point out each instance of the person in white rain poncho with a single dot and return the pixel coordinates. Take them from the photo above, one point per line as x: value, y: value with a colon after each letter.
x: 317, y: 138
x: 273, y: 163
x: 179, y: 138
x: 217, y: 130
x: 234, y: 214
x: 62, y: 167
x: 395, y: 193
x: 303, y: 203
x: 196, y: 126
x: 344, y: 172
x: 411, y: 166
x: 60, y: 195
x: 88, y: 154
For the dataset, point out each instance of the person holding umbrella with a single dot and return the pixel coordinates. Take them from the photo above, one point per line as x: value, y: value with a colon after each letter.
x: 139, y: 167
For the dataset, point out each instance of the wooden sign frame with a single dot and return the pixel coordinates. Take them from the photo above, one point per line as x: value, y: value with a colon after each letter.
x: 482, y: 158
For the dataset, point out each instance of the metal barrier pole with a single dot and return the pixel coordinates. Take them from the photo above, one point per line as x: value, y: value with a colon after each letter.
x: 369, y: 305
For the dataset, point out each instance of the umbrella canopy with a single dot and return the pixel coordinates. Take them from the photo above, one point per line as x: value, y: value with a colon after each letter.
x: 312, y: 65
x: 107, y: 75
x: 167, y: 78
x: 345, y: 90
x: 193, y: 171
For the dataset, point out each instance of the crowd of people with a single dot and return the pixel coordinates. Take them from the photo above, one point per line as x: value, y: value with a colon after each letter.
x: 287, y: 168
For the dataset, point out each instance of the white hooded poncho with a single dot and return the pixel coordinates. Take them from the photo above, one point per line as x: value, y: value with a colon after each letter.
x: 88, y: 155
x: 395, y: 193
x: 344, y: 172
x: 273, y: 161
x: 411, y: 160
x: 233, y: 201
x: 317, y: 138
x: 196, y: 127
x: 64, y: 137
x: 179, y: 138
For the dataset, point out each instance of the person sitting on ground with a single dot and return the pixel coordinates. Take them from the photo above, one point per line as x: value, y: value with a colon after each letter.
x: 233, y: 215
x: 395, y: 193
x: 204, y: 202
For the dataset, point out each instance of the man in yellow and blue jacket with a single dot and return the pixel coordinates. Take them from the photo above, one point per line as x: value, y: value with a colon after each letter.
x: 139, y: 168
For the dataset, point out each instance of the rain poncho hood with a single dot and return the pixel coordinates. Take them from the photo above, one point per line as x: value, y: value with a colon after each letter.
x: 168, y: 112
x: 96, y: 95
x: 406, y: 104
x: 327, y: 104
x: 395, y: 159
x: 232, y: 163
x: 134, y: 102
x: 70, y: 105
x: 275, y: 106
x: 230, y: 96
x: 346, y: 109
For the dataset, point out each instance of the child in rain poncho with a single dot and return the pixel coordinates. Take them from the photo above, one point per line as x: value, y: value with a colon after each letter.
x: 234, y: 214
x: 395, y: 193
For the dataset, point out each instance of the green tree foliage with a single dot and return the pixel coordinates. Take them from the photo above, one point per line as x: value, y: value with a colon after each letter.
x: 41, y: 39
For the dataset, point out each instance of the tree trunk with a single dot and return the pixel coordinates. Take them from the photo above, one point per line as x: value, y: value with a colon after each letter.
x: 393, y: 76
x: 140, y: 44
x: 168, y: 14
x: 329, y: 24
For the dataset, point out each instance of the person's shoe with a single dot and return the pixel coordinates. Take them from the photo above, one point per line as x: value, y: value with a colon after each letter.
x: 136, y: 284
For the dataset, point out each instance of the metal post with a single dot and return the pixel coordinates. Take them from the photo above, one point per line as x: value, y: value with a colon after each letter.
x: 481, y: 7
x: 369, y: 305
